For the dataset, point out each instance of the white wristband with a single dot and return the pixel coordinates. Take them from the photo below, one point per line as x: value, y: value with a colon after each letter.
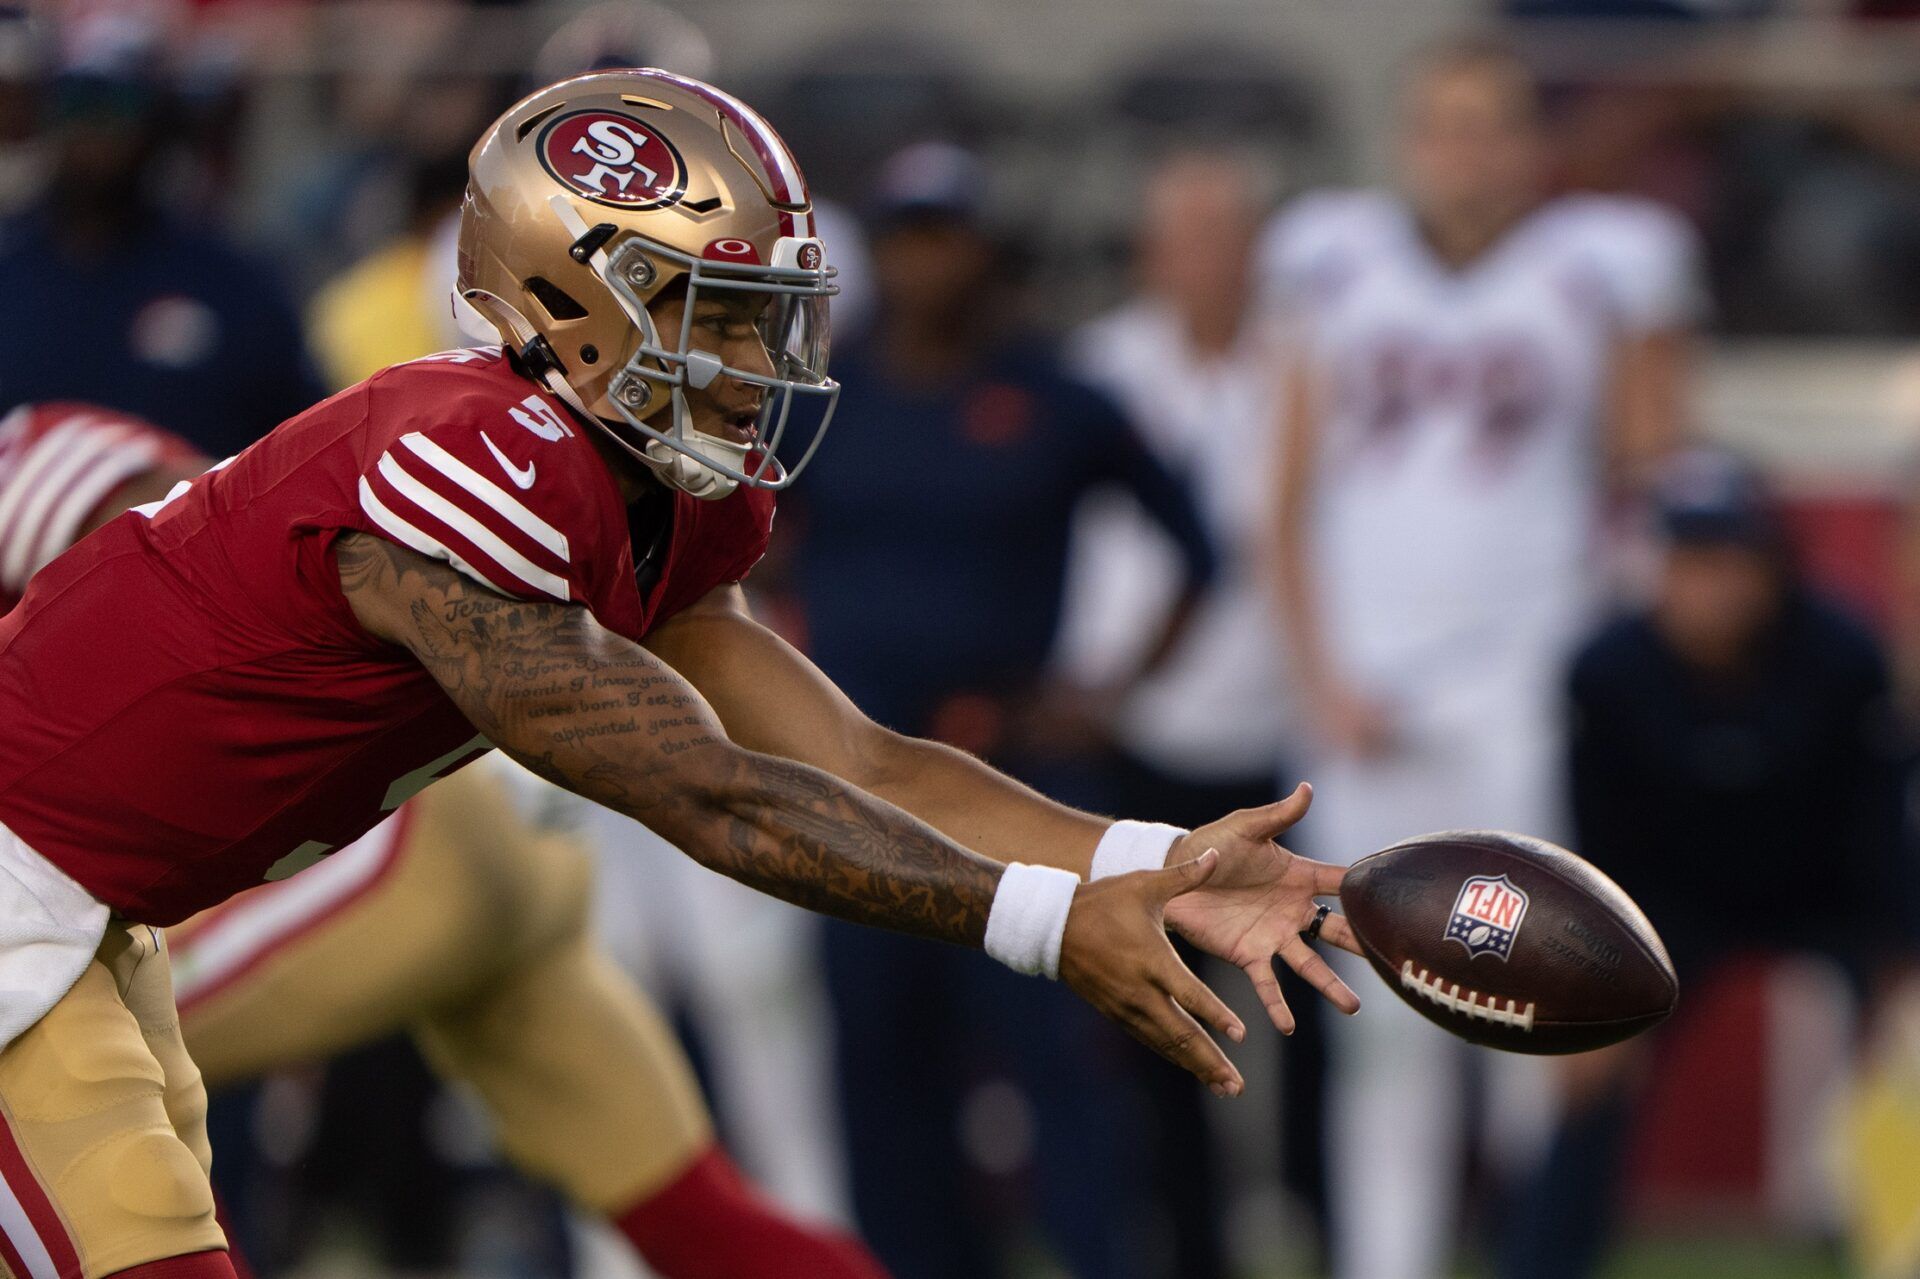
x: 1131, y: 846
x: 1029, y: 917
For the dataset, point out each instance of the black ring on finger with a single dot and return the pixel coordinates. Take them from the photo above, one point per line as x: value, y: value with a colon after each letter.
x: 1311, y: 932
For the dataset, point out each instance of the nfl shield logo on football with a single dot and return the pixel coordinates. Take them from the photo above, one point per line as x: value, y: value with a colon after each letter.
x: 1487, y: 915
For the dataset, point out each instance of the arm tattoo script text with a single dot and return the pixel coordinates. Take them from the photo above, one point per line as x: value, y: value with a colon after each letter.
x: 601, y: 716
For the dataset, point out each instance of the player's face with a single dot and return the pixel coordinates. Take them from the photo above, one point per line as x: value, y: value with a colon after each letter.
x: 1715, y: 599
x: 1471, y: 140
x: 1197, y: 237
x: 930, y: 268
x: 726, y: 325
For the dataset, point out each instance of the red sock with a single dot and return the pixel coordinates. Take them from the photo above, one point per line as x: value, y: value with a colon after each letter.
x: 708, y: 1223
x: 195, y: 1265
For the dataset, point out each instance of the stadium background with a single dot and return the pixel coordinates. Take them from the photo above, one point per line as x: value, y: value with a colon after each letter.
x: 314, y: 132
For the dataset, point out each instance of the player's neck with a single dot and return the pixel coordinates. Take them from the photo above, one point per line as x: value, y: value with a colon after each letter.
x: 1460, y: 237
x: 630, y: 475
x: 1213, y: 325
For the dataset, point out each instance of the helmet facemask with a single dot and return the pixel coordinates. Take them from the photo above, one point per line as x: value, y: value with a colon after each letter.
x: 793, y: 329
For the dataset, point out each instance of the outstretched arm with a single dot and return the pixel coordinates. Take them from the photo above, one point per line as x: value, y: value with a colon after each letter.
x: 601, y: 716
x: 605, y: 718
x: 772, y: 699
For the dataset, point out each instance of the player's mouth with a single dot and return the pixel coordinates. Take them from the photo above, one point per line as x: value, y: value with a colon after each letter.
x: 740, y: 425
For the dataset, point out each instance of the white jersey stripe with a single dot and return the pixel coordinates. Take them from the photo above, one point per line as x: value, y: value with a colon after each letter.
x: 87, y: 448
x: 61, y: 528
x: 13, y: 429
x: 18, y: 1228
x: 15, y: 491
x: 530, y: 575
x: 256, y: 922
x: 489, y: 492
x: 461, y: 521
x: 59, y: 456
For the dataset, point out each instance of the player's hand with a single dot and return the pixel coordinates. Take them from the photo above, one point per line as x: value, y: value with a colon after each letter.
x: 1116, y: 956
x: 1255, y: 906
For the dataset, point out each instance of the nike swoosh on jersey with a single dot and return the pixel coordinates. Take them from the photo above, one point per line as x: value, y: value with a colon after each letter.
x: 521, y: 477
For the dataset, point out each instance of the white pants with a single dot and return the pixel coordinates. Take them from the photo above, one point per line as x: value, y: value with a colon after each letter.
x: 1397, y: 1087
x: 50, y: 928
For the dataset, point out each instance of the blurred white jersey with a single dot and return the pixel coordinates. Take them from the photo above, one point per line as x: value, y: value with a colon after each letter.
x: 1217, y: 708
x: 1458, y: 492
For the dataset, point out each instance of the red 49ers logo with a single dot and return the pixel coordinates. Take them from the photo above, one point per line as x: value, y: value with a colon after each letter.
x: 613, y: 159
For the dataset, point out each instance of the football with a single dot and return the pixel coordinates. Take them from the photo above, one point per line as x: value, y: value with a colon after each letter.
x: 1509, y: 941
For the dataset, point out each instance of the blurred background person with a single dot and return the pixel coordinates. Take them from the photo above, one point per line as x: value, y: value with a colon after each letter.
x: 1473, y: 366
x: 132, y: 306
x: 26, y: 58
x: 1189, y: 356
x: 1729, y: 741
x: 959, y: 453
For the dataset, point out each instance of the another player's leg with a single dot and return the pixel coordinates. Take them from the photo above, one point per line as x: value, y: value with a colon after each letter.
x: 589, y: 1092
x: 470, y: 928
x: 103, y: 1146
x: 1396, y: 1088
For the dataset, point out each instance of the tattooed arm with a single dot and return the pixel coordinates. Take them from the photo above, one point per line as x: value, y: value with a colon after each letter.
x: 603, y: 717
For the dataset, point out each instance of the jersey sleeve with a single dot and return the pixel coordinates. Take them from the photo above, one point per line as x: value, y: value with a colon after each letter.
x: 501, y: 491
x: 1316, y: 245
x: 1650, y: 259
x: 58, y: 462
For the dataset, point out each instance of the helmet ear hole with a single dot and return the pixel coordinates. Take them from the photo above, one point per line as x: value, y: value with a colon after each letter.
x: 555, y: 301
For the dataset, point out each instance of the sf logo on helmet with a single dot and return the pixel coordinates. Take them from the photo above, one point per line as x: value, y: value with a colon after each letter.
x: 613, y: 159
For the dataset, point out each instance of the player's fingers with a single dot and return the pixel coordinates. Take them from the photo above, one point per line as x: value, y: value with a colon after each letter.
x: 1183, y: 877
x: 1266, y: 984
x: 1326, y: 878
x: 1270, y: 820
x: 1198, y: 998
x: 1169, y: 1031
x: 1314, y: 970
x: 1336, y: 930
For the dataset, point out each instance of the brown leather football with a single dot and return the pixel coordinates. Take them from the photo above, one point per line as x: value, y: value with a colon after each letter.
x: 1509, y: 941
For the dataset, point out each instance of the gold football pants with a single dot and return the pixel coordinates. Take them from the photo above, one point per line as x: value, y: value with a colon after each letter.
x: 460, y: 923
x: 103, y: 1136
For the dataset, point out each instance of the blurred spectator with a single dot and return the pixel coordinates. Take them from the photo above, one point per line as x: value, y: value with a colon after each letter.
x: 396, y: 303
x: 25, y: 55
x: 1472, y: 363
x: 929, y: 573
x: 1190, y: 359
x: 1729, y: 742
x: 129, y: 306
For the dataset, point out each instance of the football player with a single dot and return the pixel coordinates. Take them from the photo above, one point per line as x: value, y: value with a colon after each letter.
x: 585, y: 1084
x: 536, y: 547
x: 1476, y: 364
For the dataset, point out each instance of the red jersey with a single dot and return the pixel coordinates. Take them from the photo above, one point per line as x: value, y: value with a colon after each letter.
x: 191, y: 706
x: 58, y: 463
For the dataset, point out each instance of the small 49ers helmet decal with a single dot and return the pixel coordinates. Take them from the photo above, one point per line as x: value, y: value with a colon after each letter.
x: 613, y: 159
x: 1487, y: 915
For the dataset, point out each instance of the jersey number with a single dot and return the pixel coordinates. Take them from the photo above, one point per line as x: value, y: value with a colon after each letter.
x: 539, y: 417
x: 404, y: 788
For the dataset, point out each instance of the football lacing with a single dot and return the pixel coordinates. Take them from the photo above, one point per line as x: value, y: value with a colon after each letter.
x: 1471, y: 1004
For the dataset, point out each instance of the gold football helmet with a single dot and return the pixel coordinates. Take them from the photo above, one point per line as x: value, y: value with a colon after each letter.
x: 590, y: 198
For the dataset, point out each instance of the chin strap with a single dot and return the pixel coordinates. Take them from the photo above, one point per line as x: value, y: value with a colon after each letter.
x: 533, y: 350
